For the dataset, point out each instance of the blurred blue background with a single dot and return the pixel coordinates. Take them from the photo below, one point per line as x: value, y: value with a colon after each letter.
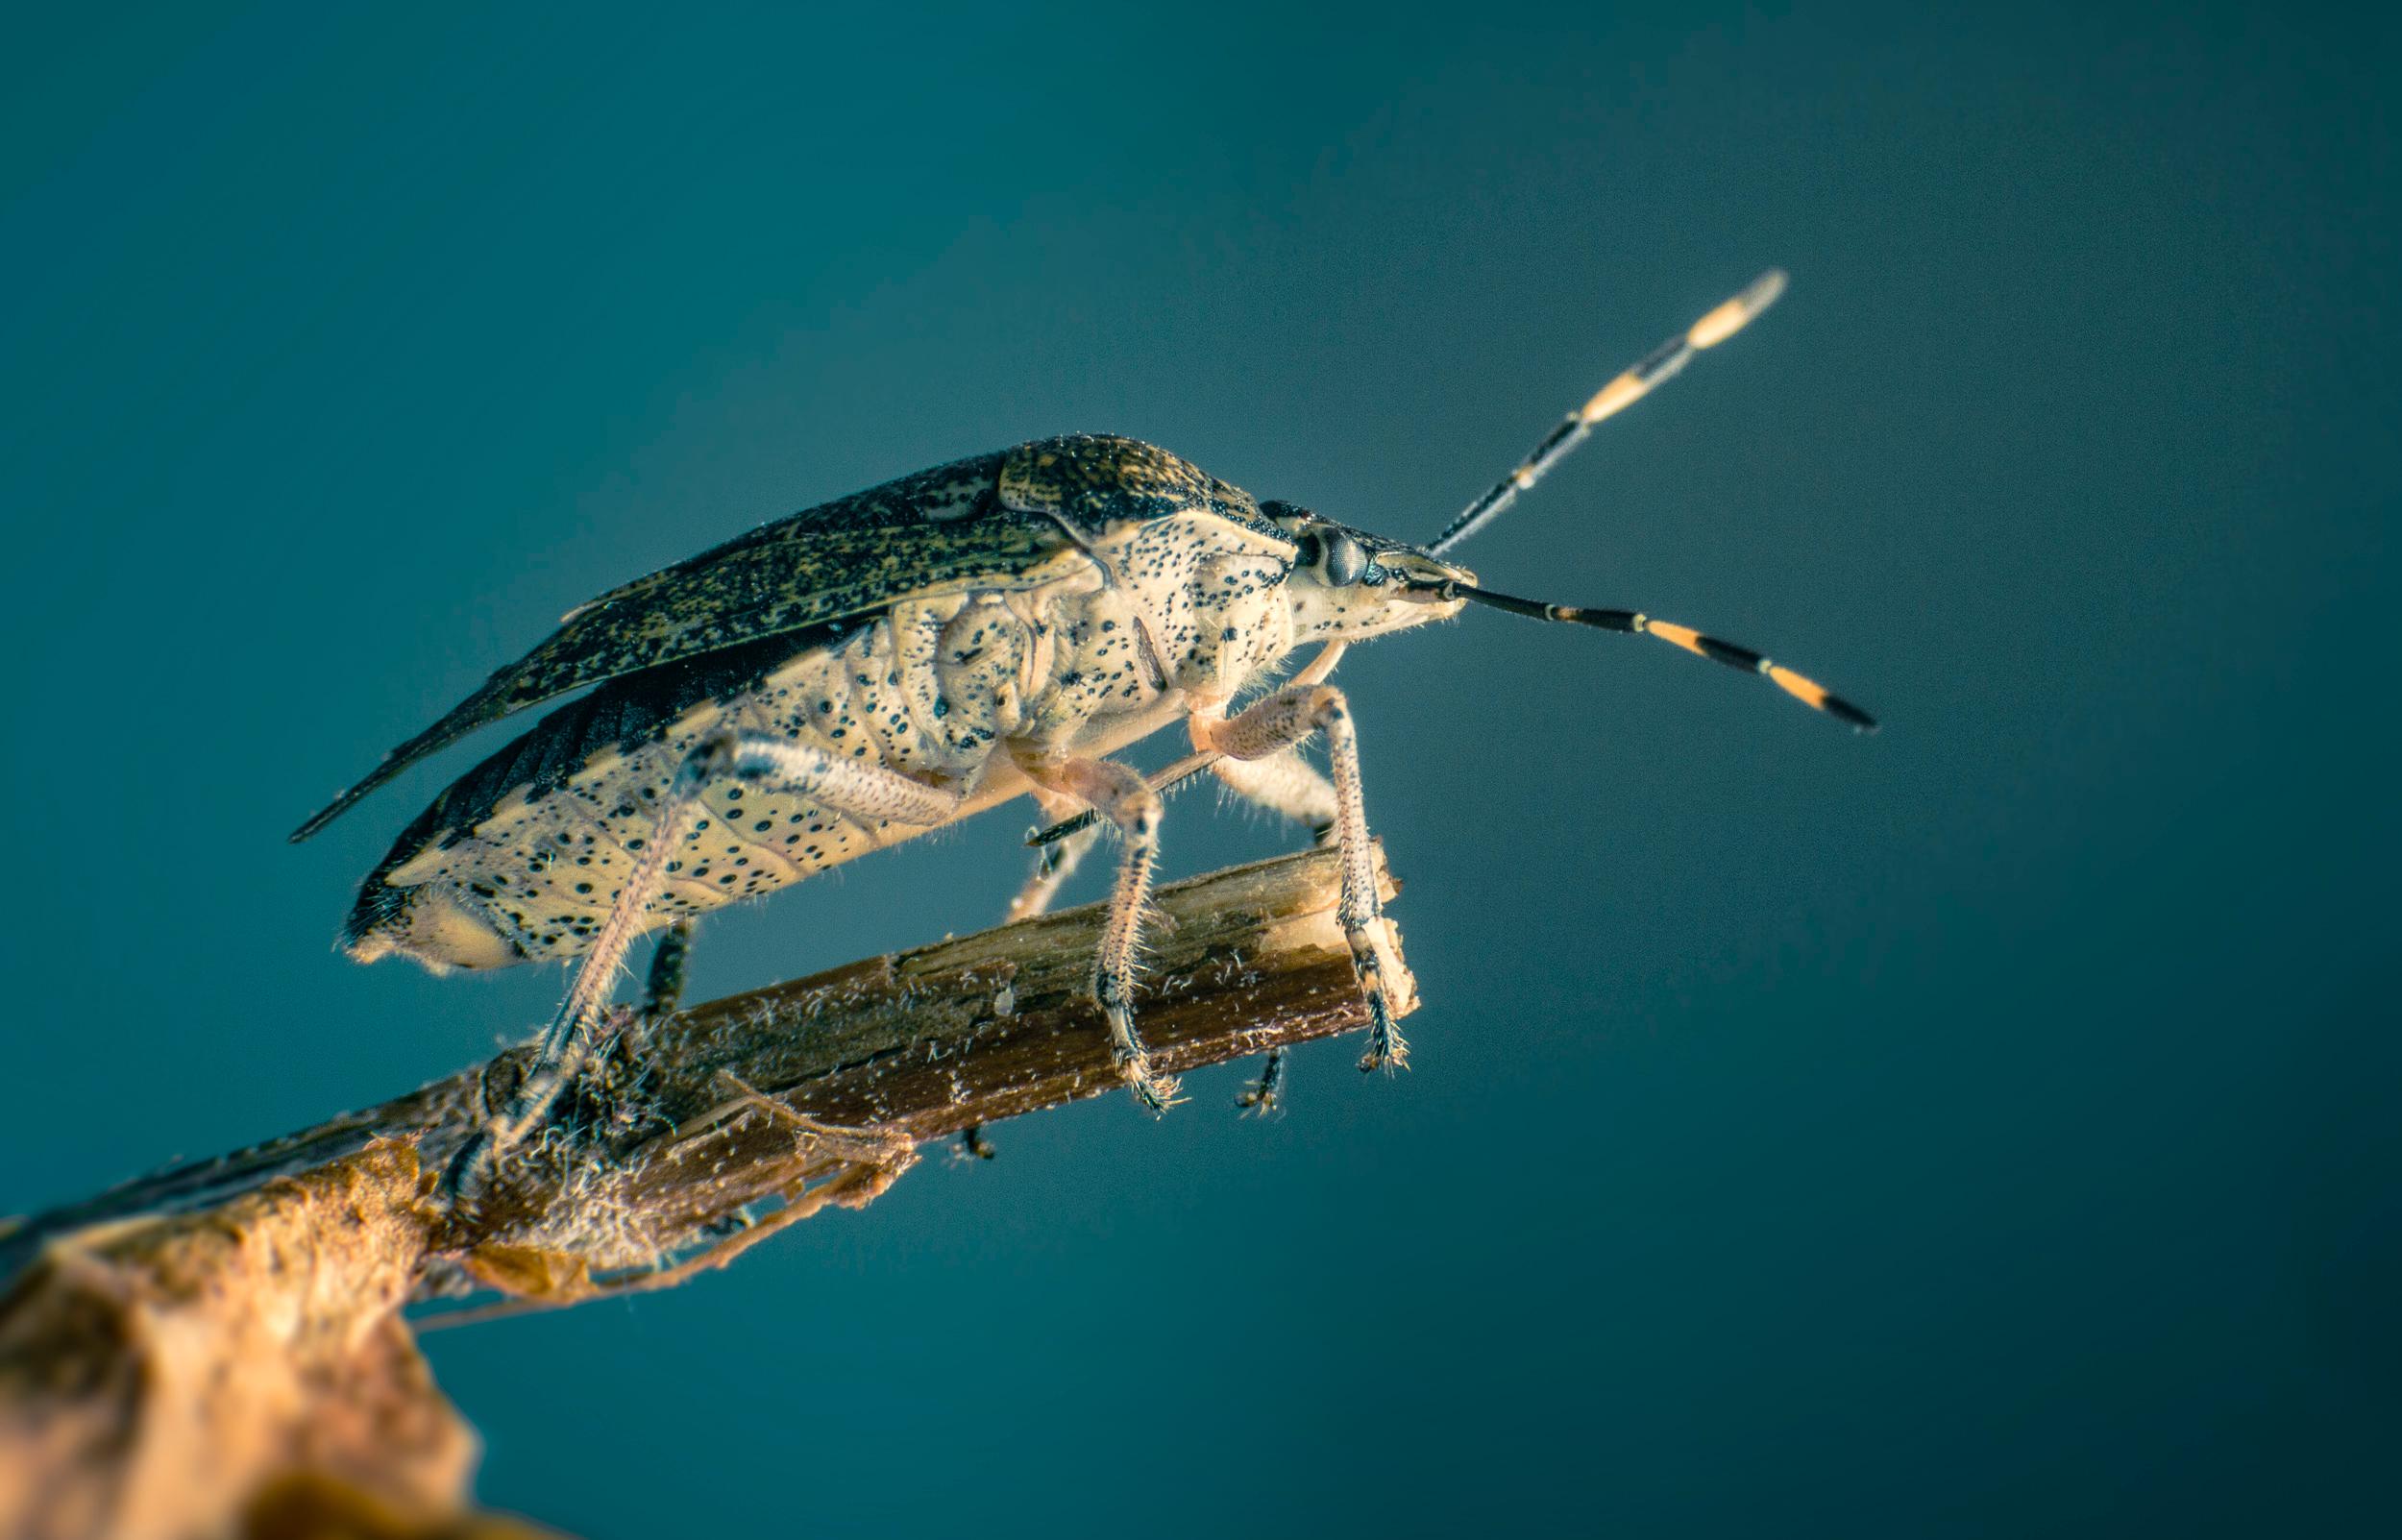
x: 1982, y: 1128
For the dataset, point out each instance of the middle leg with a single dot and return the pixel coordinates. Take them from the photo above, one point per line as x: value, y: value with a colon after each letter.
x: 1120, y: 796
x: 1054, y: 863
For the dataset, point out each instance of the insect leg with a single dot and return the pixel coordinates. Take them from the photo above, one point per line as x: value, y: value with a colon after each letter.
x: 615, y: 1084
x: 1053, y: 863
x: 1194, y: 764
x: 1120, y: 795
x: 1275, y: 723
x: 1264, y: 1094
x: 664, y: 987
x: 848, y: 786
x: 1284, y: 784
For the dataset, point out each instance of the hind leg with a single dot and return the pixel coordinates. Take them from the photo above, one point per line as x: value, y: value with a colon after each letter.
x: 617, y: 1085
x: 848, y: 786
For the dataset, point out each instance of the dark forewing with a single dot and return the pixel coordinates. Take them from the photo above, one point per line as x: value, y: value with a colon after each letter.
x: 993, y: 521
x: 623, y: 715
x: 839, y: 559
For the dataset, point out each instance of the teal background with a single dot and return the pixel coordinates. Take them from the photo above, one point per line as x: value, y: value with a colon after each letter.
x: 1983, y: 1129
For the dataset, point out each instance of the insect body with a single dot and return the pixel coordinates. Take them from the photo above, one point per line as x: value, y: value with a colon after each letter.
x: 1027, y: 601
x: 865, y: 670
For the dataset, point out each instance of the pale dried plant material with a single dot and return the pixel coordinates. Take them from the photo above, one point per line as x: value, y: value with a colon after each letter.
x: 151, y: 1373
x: 220, y: 1350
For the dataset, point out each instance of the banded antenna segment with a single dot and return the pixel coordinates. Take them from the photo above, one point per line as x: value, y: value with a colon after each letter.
x: 1659, y: 364
x: 1634, y: 623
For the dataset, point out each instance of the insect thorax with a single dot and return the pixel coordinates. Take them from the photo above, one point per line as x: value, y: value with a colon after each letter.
x: 938, y: 688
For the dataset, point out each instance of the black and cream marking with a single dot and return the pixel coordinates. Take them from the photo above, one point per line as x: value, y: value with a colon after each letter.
x: 1662, y: 364
x: 1633, y: 623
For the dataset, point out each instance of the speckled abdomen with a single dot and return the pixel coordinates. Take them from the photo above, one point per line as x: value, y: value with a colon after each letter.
x: 523, y: 858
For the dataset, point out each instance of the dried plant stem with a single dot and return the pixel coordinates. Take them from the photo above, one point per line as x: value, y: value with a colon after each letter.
x: 220, y: 1350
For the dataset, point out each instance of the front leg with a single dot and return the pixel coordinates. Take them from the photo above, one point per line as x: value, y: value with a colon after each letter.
x: 1300, y: 793
x: 1274, y: 724
x: 1119, y: 795
x: 1287, y: 785
x: 1284, y: 784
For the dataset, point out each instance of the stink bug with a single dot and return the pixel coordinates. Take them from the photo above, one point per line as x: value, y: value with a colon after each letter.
x: 864, y: 671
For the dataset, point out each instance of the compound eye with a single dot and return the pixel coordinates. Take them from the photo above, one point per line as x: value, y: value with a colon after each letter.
x: 1346, y: 561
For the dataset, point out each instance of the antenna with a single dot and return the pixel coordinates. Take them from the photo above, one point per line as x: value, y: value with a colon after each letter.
x: 1621, y: 393
x: 1809, y: 692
